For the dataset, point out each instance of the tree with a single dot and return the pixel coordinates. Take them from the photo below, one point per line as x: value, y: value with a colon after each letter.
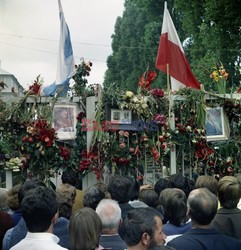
x: 210, y: 32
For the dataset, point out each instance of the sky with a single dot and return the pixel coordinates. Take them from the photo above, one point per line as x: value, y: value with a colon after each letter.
x: 29, y: 35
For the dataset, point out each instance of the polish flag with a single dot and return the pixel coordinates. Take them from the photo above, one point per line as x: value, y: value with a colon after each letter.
x: 170, y: 52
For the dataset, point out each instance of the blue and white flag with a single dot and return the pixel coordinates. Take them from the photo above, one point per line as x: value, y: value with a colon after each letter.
x: 66, y: 65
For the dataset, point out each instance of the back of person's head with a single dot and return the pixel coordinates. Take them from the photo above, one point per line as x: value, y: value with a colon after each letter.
x: 202, y: 205
x: 119, y: 188
x: 174, y: 204
x: 92, y: 197
x: 149, y: 197
x: 181, y: 182
x: 84, y: 230
x: 209, y: 182
x: 13, y: 197
x: 69, y: 176
x: 103, y: 187
x: 138, y: 223
x: 160, y: 185
x: 28, y: 185
x: 65, y: 197
x: 39, y: 206
x: 229, y: 192
x: 110, y: 214
x: 4, y: 199
x: 134, y: 190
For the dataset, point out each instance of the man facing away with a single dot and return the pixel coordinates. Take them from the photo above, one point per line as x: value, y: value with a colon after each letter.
x: 202, y: 207
x: 143, y: 229
x: 110, y: 214
x: 40, y: 212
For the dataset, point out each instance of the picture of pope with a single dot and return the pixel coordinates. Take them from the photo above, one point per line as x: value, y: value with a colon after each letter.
x: 63, y: 119
x: 213, y: 122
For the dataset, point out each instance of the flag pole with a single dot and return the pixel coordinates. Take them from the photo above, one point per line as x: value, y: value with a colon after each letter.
x: 169, y: 95
x: 171, y: 124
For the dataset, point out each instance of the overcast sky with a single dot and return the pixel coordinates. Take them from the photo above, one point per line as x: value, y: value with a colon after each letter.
x: 29, y: 34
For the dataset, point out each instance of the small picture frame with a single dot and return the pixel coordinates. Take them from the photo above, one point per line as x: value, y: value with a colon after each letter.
x: 64, y: 121
x: 216, y: 128
x: 121, y: 116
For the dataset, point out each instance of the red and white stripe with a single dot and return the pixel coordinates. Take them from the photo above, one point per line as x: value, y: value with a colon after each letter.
x: 170, y: 52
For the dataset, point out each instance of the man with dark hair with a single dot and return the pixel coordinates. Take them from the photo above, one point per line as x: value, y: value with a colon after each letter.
x: 134, y: 195
x: 119, y: 189
x: 143, y: 229
x: 174, y: 204
x: 228, y: 217
x: 181, y: 182
x: 17, y: 233
x: 160, y: 185
x: 40, y: 212
x: 202, y: 206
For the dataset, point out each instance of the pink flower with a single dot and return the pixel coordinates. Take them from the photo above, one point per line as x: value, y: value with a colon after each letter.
x: 159, y: 119
x: 121, y: 133
x: 122, y: 145
x: 126, y: 134
x: 131, y: 150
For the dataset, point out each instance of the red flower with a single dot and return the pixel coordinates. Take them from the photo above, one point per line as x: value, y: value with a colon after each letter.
x: 64, y: 152
x: 159, y: 119
x: 157, y: 93
x: 81, y: 116
x: 155, y: 154
x: 35, y: 89
x: 146, y: 79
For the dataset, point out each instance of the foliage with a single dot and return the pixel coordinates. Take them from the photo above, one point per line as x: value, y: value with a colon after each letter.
x: 82, y: 71
x: 210, y: 32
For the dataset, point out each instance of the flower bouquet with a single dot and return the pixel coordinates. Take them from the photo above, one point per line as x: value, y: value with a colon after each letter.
x: 220, y: 76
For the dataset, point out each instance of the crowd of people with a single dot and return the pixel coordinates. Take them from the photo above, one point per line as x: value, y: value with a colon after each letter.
x: 176, y: 213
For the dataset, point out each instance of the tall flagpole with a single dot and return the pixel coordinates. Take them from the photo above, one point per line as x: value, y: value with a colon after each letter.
x: 171, y: 123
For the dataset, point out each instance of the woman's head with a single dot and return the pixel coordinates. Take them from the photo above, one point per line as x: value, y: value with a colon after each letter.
x: 85, y: 229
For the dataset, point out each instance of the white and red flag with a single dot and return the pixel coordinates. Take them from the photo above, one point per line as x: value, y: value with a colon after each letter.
x: 170, y: 52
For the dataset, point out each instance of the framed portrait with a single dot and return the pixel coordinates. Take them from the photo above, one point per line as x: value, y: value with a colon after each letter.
x: 216, y: 124
x: 121, y: 116
x: 64, y: 121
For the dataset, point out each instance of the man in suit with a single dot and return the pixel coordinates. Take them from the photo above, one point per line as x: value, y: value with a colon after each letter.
x: 110, y: 214
x: 202, y: 207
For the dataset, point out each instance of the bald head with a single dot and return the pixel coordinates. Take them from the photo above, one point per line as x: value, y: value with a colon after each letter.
x: 202, y: 205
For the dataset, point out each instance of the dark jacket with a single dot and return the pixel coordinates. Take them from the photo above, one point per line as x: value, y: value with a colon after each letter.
x: 228, y: 221
x: 113, y: 242
x: 204, y: 239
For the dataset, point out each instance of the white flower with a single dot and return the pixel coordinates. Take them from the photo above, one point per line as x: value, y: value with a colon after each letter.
x: 189, y: 128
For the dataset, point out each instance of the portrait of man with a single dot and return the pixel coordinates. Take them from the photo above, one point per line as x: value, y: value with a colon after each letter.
x: 116, y: 116
x: 214, y: 122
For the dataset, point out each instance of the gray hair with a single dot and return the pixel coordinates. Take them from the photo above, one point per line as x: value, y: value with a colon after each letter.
x: 203, y: 206
x: 109, y: 213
